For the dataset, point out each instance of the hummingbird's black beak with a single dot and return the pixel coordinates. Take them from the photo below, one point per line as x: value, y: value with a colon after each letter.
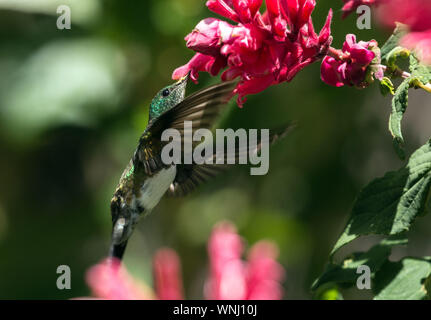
x: 120, y: 235
x: 117, y: 250
x: 183, y: 81
x: 179, y: 88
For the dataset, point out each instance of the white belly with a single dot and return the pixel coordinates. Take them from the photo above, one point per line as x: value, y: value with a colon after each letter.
x: 155, y: 187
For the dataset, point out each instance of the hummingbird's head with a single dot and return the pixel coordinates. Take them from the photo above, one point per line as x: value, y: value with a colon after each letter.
x: 168, y: 97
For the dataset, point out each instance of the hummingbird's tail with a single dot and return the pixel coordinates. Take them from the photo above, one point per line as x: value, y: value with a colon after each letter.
x: 117, y: 250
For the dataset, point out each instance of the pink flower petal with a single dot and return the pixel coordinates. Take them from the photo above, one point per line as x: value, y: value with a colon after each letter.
x: 200, y: 62
x: 208, y: 36
x: 227, y: 279
x: 222, y: 8
x: 252, y: 86
x: 325, y: 33
x: 361, y: 55
x: 246, y: 9
x: 264, y: 273
x: 329, y: 72
x: 167, y: 275
x: 110, y: 280
x: 420, y: 42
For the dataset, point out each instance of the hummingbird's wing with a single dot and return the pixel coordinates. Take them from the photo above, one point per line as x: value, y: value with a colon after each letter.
x: 201, y: 108
x: 190, y: 176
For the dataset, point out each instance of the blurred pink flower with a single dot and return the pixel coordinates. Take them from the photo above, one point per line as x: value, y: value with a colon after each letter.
x: 416, y: 14
x: 110, y: 280
x: 261, y: 49
x: 350, y: 66
x: 227, y: 272
x: 420, y: 42
x: 264, y: 273
x: 230, y: 277
x: 167, y: 275
x: 234, y: 279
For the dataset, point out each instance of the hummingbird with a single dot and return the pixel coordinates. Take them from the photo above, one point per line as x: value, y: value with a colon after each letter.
x: 147, y: 178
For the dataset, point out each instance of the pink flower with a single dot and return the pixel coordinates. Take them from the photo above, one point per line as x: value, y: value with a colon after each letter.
x: 351, y: 5
x: 350, y: 66
x: 414, y: 13
x: 420, y: 42
x: 264, y: 273
x: 227, y: 280
x: 230, y: 277
x: 167, y: 275
x: 261, y: 49
x: 234, y: 279
x: 110, y: 280
x: 209, y: 35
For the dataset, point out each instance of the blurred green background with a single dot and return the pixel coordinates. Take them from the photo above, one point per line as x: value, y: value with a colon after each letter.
x: 73, y: 104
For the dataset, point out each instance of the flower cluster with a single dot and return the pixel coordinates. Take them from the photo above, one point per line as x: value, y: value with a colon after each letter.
x: 352, y: 65
x: 230, y: 277
x: 260, y: 49
x: 234, y: 279
x: 416, y: 14
x: 110, y: 280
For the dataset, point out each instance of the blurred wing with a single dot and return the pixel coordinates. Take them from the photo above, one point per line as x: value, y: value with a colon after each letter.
x: 190, y: 176
x: 201, y: 108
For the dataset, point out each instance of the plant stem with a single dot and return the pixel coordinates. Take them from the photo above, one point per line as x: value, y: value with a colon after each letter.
x: 397, y: 72
x: 405, y: 75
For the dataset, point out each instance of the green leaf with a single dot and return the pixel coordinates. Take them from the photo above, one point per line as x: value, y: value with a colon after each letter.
x: 420, y: 71
x: 427, y: 285
x: 421, y: 74
x: 344, y: 274
x: 386, y: 86
x: 394, y: 55
x: 402, y: 280
x: 328, y: 292
x: 393, y: 41
x: 399, y: 106
x: 389, y: 205
x: 420, y: 77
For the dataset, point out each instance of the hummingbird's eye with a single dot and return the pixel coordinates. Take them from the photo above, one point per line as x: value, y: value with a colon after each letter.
x: 165, y: 92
